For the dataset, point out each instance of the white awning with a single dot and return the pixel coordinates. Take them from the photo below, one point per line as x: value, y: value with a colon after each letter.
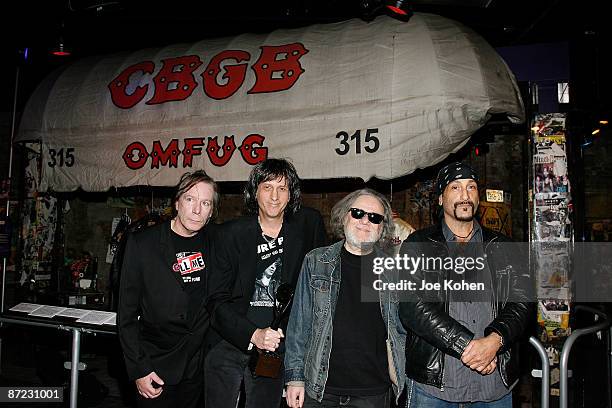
x: 350, y: 99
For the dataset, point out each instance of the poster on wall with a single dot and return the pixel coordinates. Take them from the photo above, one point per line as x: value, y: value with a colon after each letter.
x: 551, y: 226
x: 32, y: 169
x: 38, y: 229
x: 553, y: 320
x: 553, y: 266
x: 552, y: 222
x: 550, y: 165
x: 496, y: 216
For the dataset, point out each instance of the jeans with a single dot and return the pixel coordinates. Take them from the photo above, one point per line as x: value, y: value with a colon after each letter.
x: 347, y: 401
x: 225, y: 368
x: 185, y: 394
x: 420, y: 399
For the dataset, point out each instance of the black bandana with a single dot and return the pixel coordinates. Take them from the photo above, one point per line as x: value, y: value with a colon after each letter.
x: 454, y: 171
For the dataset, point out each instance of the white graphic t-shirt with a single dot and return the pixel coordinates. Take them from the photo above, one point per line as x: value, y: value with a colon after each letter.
x: 269, y: 274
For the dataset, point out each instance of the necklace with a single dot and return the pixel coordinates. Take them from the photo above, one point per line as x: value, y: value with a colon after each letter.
x: 263, y: 234
x: 269, y: 241
x: 469, y: 233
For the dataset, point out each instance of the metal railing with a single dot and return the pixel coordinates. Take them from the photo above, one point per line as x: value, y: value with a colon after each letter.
x: 544, y: 373
x: 567, y: 348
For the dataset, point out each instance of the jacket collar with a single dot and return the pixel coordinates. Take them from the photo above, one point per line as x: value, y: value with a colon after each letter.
x: 332, y: 253
x: 437, y: 234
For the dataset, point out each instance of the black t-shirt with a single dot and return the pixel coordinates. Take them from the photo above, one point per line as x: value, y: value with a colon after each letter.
x: 189, y: 263
x: 269, y: 276
x: 358, y: 362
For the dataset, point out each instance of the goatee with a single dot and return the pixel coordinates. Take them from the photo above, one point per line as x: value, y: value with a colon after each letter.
x: 464, y: 217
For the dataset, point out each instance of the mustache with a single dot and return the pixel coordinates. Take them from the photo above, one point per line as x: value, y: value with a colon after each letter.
x: 471, y: 204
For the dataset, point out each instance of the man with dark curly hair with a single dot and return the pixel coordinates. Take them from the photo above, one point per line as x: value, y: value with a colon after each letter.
x: 264, y: 247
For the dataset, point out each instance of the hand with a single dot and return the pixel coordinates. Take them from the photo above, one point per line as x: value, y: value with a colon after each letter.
x: 145, y: 385
x: 480, y: 352
x: 267, y: 339
x: 490, y: 368
x: 295, y: 396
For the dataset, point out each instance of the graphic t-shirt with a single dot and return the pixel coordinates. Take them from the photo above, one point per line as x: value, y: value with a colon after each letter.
x: 269, y: 275
x: 189, y: 264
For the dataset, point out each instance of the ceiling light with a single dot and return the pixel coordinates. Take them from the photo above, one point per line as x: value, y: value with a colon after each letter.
x: 398, y: 7
x: 60, y: 50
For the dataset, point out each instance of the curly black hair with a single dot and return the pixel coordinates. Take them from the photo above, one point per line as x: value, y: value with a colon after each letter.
x: 273, y: 169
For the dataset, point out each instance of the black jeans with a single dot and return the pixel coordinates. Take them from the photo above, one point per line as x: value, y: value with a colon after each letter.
x: 347, y: 401
x: 185, y: 394
x: 225, y: 368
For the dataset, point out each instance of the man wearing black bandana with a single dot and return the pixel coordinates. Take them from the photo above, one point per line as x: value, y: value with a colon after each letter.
x: 459, y: 350
x: 255, y: 254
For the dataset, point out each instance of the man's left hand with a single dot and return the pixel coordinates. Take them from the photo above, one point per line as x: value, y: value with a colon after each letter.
x: 480, y: 352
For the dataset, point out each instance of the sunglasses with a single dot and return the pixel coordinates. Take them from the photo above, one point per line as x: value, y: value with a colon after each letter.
x: 374, y: 218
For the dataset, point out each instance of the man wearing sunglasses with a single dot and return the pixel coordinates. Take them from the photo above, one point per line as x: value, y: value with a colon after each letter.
x: 459, y: 346
x: 343, y: 351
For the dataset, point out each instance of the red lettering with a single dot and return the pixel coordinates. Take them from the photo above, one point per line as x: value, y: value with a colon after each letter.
x: 135, y: 155
x: 118, y: 86
x: 175, y: 80
x: 278, y: 67
x: 234, y: 74
x: 192, y: 148
x: 170, y: 154
x: 226, y: 152
x: 250, y: 154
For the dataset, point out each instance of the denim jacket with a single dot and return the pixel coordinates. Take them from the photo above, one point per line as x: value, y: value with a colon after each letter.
x: 309, y: 334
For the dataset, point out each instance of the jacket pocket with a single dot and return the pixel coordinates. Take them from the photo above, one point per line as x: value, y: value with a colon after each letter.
x: 321, y: 288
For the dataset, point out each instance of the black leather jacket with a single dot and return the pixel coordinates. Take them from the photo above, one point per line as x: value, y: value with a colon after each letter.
x: 433, y: 333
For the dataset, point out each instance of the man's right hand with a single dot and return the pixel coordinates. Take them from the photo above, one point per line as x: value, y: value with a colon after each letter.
x: 145, y: 385
x: 295, y: 396
x: 480, y: 352
x: 267, y: 339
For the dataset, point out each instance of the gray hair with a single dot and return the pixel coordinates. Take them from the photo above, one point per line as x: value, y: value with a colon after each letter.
x: 342, y: 207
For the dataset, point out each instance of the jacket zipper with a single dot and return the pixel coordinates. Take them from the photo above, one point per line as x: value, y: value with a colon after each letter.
x: 447, y: 310
x: 494, y: 308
